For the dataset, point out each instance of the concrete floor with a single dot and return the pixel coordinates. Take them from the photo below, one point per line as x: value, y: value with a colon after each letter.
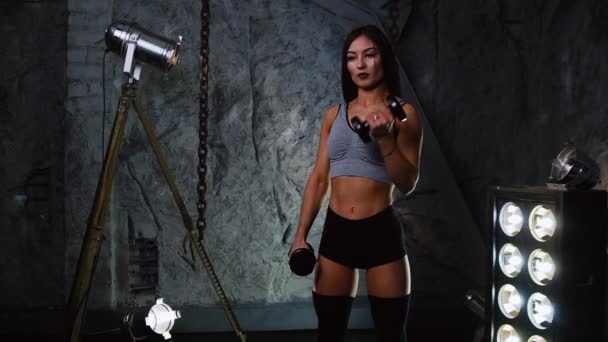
x: 423, y: 335
x: 423, y: 326
x: 310, y: 336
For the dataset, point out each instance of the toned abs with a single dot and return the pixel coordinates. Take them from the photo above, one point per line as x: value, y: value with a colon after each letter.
x: 356, y: 197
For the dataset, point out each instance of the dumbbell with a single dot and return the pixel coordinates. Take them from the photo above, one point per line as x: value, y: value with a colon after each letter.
x: 362, y: 127
x: 302, y: 261
x: 396, y: 108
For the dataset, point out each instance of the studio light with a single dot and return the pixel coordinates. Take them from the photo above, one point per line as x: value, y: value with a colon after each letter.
x: 542, y: 223
x: 511, y: 219
x: 510, y: 260
x: 509, y: 301
x: 572, y: 169
x: 506, y: 333
x: 540, y: 310
x: 159, y: 319
x: 541, y: 267
x: 547, y: 270
x: 139, y: 46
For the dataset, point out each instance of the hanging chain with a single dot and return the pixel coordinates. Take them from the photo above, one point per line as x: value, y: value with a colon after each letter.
x: 201, y: 224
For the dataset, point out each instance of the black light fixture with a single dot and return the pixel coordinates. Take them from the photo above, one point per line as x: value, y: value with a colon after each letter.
x: 546, y: 278
x: 573, y: 169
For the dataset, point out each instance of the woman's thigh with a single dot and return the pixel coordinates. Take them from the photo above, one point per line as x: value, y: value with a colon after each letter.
x: 333, y: 279
x: 389, y: 280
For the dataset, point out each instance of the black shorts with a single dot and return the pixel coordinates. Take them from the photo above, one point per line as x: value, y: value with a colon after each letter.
x: 364, y: 243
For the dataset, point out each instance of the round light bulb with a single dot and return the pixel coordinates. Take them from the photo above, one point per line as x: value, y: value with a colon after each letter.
x: 510, y: 219
x: 542, y: 223
x: 510, y: 260
x: 509, y: 301
x: 540, y: 310
x: 541, y: 267
x: 506, y: 333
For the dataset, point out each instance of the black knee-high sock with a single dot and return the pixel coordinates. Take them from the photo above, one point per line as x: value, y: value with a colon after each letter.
x: 333, y: 313
x: 390, y: 316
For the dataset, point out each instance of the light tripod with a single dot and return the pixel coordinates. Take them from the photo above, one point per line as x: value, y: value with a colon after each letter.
x: 76, y: 308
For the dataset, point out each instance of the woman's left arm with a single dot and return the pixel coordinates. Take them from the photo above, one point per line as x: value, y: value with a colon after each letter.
x: 401, y: 154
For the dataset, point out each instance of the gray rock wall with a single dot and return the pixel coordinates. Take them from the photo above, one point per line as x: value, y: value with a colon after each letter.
x: 258, y: 178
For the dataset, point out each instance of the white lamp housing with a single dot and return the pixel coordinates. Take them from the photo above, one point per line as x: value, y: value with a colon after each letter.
x: 161, y: 318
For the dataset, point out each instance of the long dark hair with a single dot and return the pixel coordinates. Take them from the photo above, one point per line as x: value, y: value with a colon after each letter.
x: 389, y: 64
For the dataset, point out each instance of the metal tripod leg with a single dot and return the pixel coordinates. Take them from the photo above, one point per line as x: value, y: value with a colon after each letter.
x: 89, y: 252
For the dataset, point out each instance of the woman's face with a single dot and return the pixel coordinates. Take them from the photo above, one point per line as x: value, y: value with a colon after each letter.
x: 364, y: 63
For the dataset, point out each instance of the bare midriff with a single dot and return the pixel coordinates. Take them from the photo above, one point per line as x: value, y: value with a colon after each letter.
x: 356, y: 198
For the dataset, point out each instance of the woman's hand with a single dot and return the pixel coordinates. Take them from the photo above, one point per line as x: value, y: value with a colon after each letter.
x: 381, y: 123
x: 298, y: 243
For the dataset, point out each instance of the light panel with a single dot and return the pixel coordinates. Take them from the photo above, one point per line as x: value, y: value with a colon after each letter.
x: 547, y: 271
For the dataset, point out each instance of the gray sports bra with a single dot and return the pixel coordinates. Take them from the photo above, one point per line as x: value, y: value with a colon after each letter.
x: 350, y: 156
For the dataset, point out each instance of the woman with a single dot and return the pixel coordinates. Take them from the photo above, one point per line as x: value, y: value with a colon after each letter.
x: 361, y: 230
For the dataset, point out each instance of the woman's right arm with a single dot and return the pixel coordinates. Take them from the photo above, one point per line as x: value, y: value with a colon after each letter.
x: 317, y: 185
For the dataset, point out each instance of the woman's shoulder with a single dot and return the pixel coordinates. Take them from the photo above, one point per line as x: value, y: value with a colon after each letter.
x: 334, y: 108
x: 331, y: 114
